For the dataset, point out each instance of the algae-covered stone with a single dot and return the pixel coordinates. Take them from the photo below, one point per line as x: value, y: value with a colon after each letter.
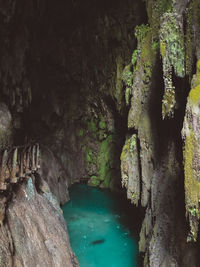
x: 190, y: 133
x: 139, y: 116
x: 192, y: 36
x: 92, y: 128
x: 173, y: 58
x: 94, y: 181
x: 130, y: 169
x: 142, y: 77
x: 106, y: 160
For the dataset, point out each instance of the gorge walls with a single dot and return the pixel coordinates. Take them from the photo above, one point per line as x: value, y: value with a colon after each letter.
x: 110, y: 91
x: 159, y: 164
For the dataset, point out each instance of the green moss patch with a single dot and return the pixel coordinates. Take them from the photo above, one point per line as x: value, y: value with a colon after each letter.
x: 192, y: 186
x: 194, y: 95
x: 172, y: 50
x: 192, y: 37
x: 92, y: 127
x: 191, y: 158
x: 94, y: 181
x: 80, y: 133
x: 106, y: 159
x: 102, y: 123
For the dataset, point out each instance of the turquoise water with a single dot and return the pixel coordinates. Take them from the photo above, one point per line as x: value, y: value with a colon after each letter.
x: 100, y: 226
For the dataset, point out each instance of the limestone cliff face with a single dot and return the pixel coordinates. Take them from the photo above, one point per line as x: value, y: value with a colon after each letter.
x: 153, y: 156
x: 61, y: 86
x: 35, y: 232
x: 190, y: 135
x: 104, y: 87
x: 78, y: 88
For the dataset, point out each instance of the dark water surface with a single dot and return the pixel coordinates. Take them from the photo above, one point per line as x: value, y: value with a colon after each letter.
x: 101, y: 228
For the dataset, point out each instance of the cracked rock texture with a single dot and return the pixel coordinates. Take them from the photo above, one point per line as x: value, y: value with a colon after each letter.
x: 111, y: 91
x: 34, y: 233
x: 162, y: 70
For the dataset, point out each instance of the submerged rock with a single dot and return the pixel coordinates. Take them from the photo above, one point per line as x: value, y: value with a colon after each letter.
x: 97, y: 242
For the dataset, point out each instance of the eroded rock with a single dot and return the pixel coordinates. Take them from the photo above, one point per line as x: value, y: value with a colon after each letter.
x: 54, y: 175
x: 37, y: 229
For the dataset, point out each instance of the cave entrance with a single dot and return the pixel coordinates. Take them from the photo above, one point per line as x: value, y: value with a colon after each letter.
x: 102, y: 226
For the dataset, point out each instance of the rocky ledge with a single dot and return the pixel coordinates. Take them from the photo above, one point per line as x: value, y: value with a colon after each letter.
x: 34, y: 232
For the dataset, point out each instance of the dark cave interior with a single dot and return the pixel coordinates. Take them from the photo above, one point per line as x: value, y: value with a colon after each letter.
x: 98, y: 85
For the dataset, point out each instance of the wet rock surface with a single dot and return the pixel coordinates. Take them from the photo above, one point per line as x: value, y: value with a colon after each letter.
x: 54, y: 176
x: 90, y: 80
x: 34, y: 233
x: 155, y: 119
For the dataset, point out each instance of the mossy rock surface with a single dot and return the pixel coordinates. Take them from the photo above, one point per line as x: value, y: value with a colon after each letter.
x: 106, y: 159
x: 94, y: 181
x: 190, y: 133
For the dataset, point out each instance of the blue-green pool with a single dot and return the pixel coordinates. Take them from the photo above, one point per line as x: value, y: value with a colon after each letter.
x: 101, y: 228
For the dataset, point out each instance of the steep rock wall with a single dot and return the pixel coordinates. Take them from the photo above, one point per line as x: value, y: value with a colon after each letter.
x: 152, y: 159
x: 57, y: 89
x: 34, y: 231
x: 76, y: 79
x: 75, y: 72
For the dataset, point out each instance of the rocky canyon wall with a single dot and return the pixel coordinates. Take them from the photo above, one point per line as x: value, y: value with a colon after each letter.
x: 159, y: 164
x: 110, y: 91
